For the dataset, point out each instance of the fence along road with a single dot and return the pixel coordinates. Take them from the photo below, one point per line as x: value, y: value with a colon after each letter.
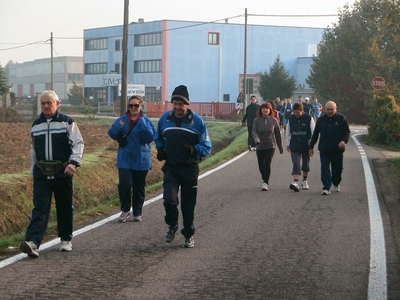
x: 249, y: 245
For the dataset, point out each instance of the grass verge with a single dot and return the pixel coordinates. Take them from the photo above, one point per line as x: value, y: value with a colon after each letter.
x: 96, y: 185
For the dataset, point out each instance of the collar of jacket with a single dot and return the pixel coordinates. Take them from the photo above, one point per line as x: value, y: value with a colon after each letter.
x: 188, y: 118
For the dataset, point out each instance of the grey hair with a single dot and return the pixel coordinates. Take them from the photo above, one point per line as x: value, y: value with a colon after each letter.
x: 51, y: 94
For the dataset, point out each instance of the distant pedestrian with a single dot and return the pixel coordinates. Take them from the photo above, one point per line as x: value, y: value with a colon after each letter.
x: 182, y: 140
x: 249, y: 116
x: 267, y: 136
x: 317, y: 108
x: 333, y: 132
x: 134, y: 158
x: 308, y: 109
x: 56, y: 152
x: 286, y: 111
x: 298, y: 134
x: 275, y: 112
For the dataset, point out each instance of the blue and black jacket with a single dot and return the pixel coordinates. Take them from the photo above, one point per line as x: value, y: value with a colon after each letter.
x: 174, y: 135
x: 57, y: 138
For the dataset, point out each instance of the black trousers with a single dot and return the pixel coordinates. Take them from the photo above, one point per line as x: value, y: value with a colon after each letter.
x: 43, y: 190
x: 186, y: 179
x: 250, y: 139
x: 264, y: 159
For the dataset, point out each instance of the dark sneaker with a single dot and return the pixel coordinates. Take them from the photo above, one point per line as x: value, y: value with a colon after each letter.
x: 124, y: 216
x: 30, y: 249
x: 169, y: 237
x: 189, y: 242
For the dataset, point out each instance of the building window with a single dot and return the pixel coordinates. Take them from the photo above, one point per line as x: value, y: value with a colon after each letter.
x: 226, y: 97
x: 117, y: 68
x: 98, y: 44
x: 148, y: 39
x: 153, y: 93
x: 117, y: 45
x: 97, y: 68
x: 213, y: 38
x: 75, y: 77
x: 148, y: 66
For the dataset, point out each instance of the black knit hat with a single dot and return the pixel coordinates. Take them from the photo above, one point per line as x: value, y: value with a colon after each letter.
x: 181, y: 93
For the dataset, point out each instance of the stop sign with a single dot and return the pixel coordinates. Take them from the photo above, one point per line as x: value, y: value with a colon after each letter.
x: 378, y: 82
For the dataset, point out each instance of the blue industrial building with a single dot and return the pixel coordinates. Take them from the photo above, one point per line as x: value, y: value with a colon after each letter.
x: 207, y: 57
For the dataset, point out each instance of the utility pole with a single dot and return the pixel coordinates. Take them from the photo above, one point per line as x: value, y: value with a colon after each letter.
x: 245, y: 62
x: 124, y: 83
x: 51, y: 63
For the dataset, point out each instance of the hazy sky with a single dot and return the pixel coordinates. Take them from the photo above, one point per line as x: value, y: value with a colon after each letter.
x: 24, y: 22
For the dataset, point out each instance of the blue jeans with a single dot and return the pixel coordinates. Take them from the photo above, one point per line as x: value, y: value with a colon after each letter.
x: 131, y: 190
x: 43, y: 190
x: 334, y: 161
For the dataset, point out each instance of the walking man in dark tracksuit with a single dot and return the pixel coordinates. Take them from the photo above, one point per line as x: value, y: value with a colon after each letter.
x: 182, y: 140
x: 250, y: 115
x: 56, y: 151
x: 334, y: 133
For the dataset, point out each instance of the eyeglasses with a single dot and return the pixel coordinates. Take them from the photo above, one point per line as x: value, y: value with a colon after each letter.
x: 133, y: 105
x: 49, y: 103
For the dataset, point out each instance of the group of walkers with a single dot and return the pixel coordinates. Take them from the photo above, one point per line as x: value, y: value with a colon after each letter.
x: 302, y: 126
x: 181, y: 139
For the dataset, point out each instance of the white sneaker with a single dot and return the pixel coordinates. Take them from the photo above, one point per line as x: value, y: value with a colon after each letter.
x: 294, y: 186
x: 264, y: 187
x: 253, y: 149
x: 30, y: 249
x: 137, y: 218
x: 304, y: 185
x: 124, y: 216
x: 66, y: 246
x: 325, y: 192
x: 336, y: 189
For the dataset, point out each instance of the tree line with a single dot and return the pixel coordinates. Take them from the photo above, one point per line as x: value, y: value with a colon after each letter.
x: 364, y: 43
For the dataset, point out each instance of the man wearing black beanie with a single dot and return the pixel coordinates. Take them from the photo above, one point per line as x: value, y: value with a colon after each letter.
x: 182, y: 140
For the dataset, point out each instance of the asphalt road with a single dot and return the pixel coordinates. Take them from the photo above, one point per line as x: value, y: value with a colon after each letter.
x: 249, y: 244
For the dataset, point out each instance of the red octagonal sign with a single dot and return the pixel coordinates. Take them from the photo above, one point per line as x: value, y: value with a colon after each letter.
x: 378, y: 82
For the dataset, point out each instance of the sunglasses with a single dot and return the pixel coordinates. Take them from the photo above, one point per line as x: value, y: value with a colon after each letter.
x: 133, y: 105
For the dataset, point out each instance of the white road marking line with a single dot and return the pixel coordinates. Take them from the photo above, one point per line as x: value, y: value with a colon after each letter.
x: 377, y: 285
x: 56, y: 241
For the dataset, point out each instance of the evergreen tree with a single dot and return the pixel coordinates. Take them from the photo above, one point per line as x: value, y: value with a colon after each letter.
x: 276, y: 83
x: 3, y: 82
x: 75, y: 95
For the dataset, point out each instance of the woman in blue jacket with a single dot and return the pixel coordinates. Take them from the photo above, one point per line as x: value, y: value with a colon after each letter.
x: 134, y: 159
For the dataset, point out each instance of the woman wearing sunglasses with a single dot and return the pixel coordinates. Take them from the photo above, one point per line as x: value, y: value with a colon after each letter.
x: 134, y: 158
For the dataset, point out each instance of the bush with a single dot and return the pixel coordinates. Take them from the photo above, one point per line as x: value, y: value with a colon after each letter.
x: 384, y: 121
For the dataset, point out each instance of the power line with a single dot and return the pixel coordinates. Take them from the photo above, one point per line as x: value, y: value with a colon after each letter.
x: 25, y: 45
x: 294, y: 16
x: 183, y: 27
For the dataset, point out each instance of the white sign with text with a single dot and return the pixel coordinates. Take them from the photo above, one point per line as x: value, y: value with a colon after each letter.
x: 133, y: 89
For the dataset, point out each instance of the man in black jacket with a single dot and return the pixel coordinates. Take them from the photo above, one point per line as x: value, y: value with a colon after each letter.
x: 56, y: 151
x: 334, y: 133
x: 250, y: 115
